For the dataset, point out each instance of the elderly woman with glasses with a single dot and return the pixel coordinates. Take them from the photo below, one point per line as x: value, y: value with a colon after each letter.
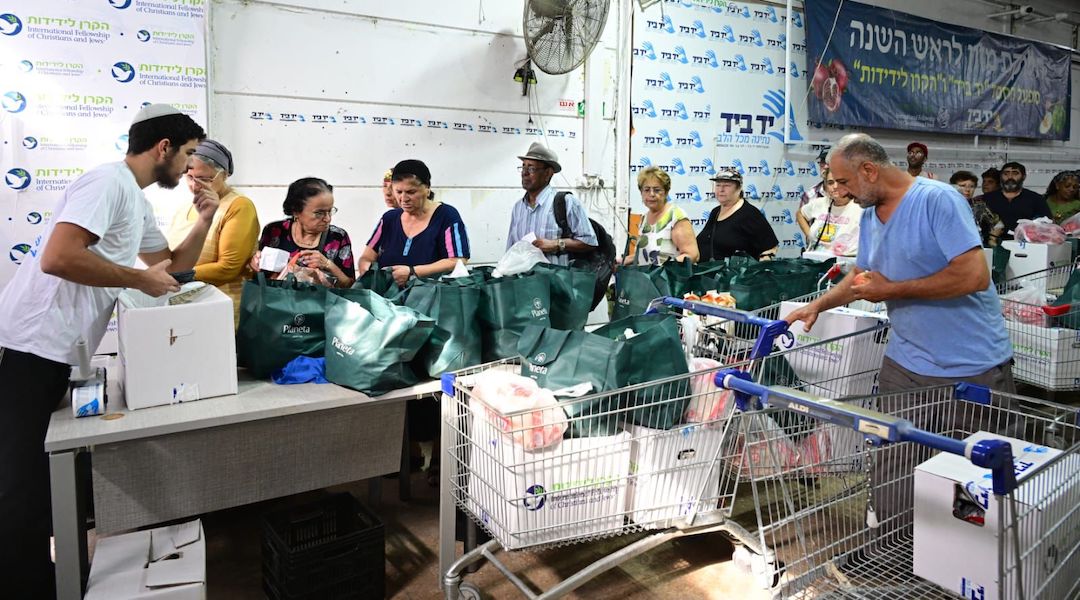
x: 230, y: 242
x: 422, y: 237
x: 309, y: 238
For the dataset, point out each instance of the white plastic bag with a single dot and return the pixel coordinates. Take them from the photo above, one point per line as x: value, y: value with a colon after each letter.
x: 1039, y: 231
x: 1024, y: 305
x: 502, y: 393
x: 519, y: 258
x: 1071, y: 226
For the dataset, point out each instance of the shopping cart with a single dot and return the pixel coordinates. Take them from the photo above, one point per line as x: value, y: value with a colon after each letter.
x: 1045, y: 339
x: 863, y: 533
x: 678, y: 482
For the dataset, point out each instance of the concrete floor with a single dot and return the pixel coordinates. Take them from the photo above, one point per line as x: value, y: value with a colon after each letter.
x: 697, y: 567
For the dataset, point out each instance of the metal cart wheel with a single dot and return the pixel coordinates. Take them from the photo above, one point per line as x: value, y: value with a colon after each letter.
x: 765, y: 573
x: 468, y: 591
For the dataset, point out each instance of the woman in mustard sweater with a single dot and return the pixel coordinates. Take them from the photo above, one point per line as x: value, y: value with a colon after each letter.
x: 234, y: 232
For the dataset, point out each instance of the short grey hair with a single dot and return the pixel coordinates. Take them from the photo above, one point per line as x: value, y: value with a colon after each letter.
x: 860, y: 148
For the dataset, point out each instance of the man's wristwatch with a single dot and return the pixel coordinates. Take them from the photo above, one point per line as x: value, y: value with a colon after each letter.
x: 562, y: 246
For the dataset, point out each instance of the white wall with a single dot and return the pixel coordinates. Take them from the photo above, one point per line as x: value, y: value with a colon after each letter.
x: 448, y: 66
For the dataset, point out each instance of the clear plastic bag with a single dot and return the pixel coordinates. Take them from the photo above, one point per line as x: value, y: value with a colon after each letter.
x: 709, y: 402
x: 1071, y: 226
x: 502, y: 393
x: 1039, y: 231
x: 1024, y: 305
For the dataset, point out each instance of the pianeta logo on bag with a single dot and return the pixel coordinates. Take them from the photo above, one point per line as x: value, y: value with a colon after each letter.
x: 538, y: 308
x: 297, y: 326
x: 343, y: 347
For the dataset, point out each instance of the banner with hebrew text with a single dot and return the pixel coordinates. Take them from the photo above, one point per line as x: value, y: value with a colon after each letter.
x: 888, y: 69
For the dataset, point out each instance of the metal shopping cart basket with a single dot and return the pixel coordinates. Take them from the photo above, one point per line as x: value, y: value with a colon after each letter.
x: 901, y: 527
x: 1045, y: 339
x: 631, y: 478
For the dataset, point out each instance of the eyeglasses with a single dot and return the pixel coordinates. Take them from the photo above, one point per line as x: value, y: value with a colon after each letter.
x: 324, y: 214
x: 659, y: 191
x: 530, y: 170
x: 202, y: 180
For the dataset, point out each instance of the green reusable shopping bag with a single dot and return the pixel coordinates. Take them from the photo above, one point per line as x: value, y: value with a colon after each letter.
x: 999, y: 264
x: 507, y: 306
x: 279, y: 320
x: 1069, y: 295
x: 571, y: 294
x: 634, y: 289
x: 380, y: 281
x: 713, y: 275
x: 558, y: 359
x: 370, y: 341
x: 455, y: 340
x: 673, y: 278
x: 656, y: 352
x: 754, y: 289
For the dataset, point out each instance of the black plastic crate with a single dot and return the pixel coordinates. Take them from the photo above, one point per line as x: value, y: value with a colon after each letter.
x: 314, y: 549
x: 356, y: 588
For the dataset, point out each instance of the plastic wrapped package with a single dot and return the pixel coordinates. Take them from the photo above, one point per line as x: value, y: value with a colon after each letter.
x: 1039, y: 231
x: 502, y: 394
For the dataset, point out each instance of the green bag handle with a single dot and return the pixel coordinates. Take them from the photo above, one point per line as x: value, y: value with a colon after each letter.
x: 529, y: 344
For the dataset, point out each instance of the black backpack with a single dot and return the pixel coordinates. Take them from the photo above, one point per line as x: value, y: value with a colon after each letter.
x: 600, y: 259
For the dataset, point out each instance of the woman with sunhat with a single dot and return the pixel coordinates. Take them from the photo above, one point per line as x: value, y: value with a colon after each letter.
x: 735, y: 226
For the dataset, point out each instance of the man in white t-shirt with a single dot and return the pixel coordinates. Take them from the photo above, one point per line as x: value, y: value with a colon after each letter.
x: 65, y: 292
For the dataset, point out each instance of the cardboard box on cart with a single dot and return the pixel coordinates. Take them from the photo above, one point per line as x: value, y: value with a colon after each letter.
x: 176, y: 353
x: 572, y: 489
x: 846, y: 366
x: 956, y: 522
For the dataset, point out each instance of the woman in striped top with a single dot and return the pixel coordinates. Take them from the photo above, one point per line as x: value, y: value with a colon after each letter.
x: 422, y: 238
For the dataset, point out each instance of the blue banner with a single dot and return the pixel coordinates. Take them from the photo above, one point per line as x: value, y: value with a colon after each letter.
x: 888, y: 69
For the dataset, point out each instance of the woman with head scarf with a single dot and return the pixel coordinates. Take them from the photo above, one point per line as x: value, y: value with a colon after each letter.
x: 230, y: 242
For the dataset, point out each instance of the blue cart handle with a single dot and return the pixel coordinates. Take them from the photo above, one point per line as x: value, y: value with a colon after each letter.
x: 995, y: 455
x: 770, y: 329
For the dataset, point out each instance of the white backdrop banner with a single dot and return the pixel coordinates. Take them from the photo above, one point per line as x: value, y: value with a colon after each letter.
x: 72, y: 76
x: 708, y: 93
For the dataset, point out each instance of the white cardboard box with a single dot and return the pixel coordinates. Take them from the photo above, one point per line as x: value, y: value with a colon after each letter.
x: 1028, y: 258
x: 167, y: 563
x: 674, y: 472
x: 176, y: 353
x: 110, y: 344
x: 1045, y: 356
x: 846, y: 366
x: 573, y: 489
x: 962, y: 556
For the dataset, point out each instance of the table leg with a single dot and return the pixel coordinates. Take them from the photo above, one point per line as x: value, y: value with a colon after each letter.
x: 69, y: 525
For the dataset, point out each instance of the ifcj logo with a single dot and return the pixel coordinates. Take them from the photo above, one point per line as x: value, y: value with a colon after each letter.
x: 17, y: 179
x: 26, y: 66
x: 19, y: 252
x: 34, y: 218
x: 535, y: 497
x: 143, y: 35
x: 13, y: 102
x: 120, y: 4
x: 30, y: 142
x: 123, y: 72
x: 10, y: 24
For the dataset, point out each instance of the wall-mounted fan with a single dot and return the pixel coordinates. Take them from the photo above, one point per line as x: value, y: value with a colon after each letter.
x: 559, y: 34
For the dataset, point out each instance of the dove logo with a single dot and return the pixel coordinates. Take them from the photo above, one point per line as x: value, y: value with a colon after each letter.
x: 34, y: 218
x: 29, y: 142
x: 143, y: 35
x: 26, y: 66
x: 10, y: 24
x: 677, y: 166
x: 17, y: 179
x: 13, y: 102
x: 121, y: 143
x: 123, y: 72
x: 19, y: 252
x: 535, y: 496
x: 120, y: 4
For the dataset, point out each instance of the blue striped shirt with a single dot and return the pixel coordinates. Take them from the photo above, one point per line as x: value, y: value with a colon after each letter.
x: 540, y: 220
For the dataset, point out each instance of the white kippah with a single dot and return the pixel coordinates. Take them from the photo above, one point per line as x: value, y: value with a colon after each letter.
x: 153, y: 111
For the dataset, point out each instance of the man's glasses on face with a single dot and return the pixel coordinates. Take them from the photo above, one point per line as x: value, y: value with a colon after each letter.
x: 530, y: 170
x: 325, y: 214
